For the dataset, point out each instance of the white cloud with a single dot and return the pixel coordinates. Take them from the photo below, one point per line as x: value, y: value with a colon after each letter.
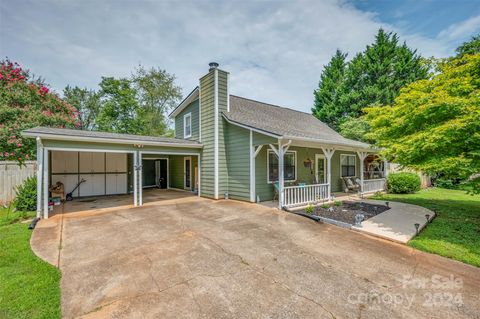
x: 274, y: 50
x: 461, y: 30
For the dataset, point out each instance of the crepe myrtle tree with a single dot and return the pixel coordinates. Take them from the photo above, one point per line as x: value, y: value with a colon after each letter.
x: 26, y: 102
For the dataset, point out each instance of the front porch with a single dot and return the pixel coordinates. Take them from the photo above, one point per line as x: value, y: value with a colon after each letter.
x: 299, y: 173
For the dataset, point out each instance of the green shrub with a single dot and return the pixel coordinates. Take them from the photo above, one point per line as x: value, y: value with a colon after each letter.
x: 403, y: 183
x: 309, y: 209
x: 337, y: 203
x: 325, y: 206
x: 26, y: 195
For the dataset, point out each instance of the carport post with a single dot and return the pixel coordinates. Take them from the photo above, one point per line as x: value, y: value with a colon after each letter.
x: 135, y: 178
x: 45, y: 183
x: 140, y: 177
x: 39, y: 176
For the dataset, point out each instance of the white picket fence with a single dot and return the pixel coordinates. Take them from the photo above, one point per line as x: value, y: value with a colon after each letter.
x: 13, y: 175
x: 305, y: 194
x: 374, y: 185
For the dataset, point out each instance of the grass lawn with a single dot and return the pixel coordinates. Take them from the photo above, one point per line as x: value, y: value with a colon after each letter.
x: 30, y: 287
x: 455, y: 232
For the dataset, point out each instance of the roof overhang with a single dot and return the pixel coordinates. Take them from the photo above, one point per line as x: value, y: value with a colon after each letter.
x: 194, y: 95
x: 72, y: 138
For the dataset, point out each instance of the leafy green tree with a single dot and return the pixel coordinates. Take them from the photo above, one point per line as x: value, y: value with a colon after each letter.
x: 469, y: 47
x: 376, y: 75
x: 121, y: 111
x: 434, y: 124
x: 26, y: 102
x: 88, y: 104
x: 355, y: 129
x: 157, y: 94
x: 327, y: 96
x: 373, y: 77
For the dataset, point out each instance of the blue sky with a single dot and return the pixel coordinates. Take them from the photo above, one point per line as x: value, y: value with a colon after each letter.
x: 274, y: 50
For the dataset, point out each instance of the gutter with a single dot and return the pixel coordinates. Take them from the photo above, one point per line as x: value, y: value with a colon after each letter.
x: 107, y: 140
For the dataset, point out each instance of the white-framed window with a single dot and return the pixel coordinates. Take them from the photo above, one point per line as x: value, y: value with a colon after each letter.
x: 348, y: 165
x: 187, y: 125
x: 289, y: 166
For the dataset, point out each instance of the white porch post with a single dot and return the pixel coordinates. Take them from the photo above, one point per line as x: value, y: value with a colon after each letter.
x: 135, y: 178
x: 280, y: 174
x: 39, y: 176
x: 362, y: 156
x: 140, y: 177
x: 45, y: 183
x: 328, y: 154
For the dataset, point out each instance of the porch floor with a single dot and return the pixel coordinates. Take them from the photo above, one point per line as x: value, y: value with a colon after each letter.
x: 112, y: 202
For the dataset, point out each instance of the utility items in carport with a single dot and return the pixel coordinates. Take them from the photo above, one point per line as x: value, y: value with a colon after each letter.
x: 104, y: 173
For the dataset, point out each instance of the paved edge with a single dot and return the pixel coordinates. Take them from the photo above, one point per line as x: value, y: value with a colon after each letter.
x: 409, y: 214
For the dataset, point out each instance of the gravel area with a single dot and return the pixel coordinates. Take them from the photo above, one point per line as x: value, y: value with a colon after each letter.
x: 347, y: 211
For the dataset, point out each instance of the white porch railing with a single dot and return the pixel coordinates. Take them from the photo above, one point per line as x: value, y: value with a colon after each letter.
x: 374, y: 185
x: 305, y: 194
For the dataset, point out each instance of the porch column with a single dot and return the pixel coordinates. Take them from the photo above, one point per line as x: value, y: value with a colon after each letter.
x: 39, y: 176
x: 135, y: 178
x: 362, y: 156
x: 45, y: 183
x: 328, y: 155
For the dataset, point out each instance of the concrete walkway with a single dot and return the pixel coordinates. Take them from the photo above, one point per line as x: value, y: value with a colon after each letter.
x: 397, y: 223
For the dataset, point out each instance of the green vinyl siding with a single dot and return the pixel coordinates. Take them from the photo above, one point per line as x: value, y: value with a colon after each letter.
x: 207, y: 128
x: 192, y: 108
x: 238, y: 162
x: 176, y: 171
x: 260, y: 139
x: 208, y: 115
x: 175, y: 167
x: 222, y: 124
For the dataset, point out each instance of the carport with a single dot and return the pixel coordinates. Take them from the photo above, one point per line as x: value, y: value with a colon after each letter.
x: 101, y: 164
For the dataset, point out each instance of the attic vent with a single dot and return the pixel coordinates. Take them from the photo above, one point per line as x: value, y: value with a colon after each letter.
x: 213, y: 65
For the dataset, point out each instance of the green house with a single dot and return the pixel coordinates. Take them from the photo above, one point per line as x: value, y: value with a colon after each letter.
x: 225, y: 146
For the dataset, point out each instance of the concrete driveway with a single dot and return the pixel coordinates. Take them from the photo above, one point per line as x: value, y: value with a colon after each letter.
x: 197, y: 258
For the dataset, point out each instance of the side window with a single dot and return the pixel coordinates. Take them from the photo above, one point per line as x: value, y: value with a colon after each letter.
x: 289, y: 169
x: 347, y: 165
x: 187, y: 125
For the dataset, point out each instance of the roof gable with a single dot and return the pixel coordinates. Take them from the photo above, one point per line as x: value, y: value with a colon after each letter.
x: 284, y: 122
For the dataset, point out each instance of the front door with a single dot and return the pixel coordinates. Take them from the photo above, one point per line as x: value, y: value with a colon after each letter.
x: 320, y: 168
x: 187, y: 172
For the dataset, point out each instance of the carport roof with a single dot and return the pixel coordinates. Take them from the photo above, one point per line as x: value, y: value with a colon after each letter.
x: 106, y: 137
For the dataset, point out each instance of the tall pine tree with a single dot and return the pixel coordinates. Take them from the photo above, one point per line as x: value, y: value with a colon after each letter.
x: 373, y: 77
x: 326, y: 107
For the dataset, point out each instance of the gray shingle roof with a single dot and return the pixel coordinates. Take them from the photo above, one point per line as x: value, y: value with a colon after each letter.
x: 105, y: 135
x: 284, y: 122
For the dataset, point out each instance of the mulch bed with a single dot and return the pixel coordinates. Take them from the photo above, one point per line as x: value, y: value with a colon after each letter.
x: 347, y: 211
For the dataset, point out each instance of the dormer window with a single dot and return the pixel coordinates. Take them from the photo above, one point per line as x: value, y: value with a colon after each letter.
x: 187, y: 125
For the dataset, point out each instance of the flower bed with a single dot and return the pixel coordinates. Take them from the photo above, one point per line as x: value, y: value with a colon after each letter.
x: 346, y: 211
